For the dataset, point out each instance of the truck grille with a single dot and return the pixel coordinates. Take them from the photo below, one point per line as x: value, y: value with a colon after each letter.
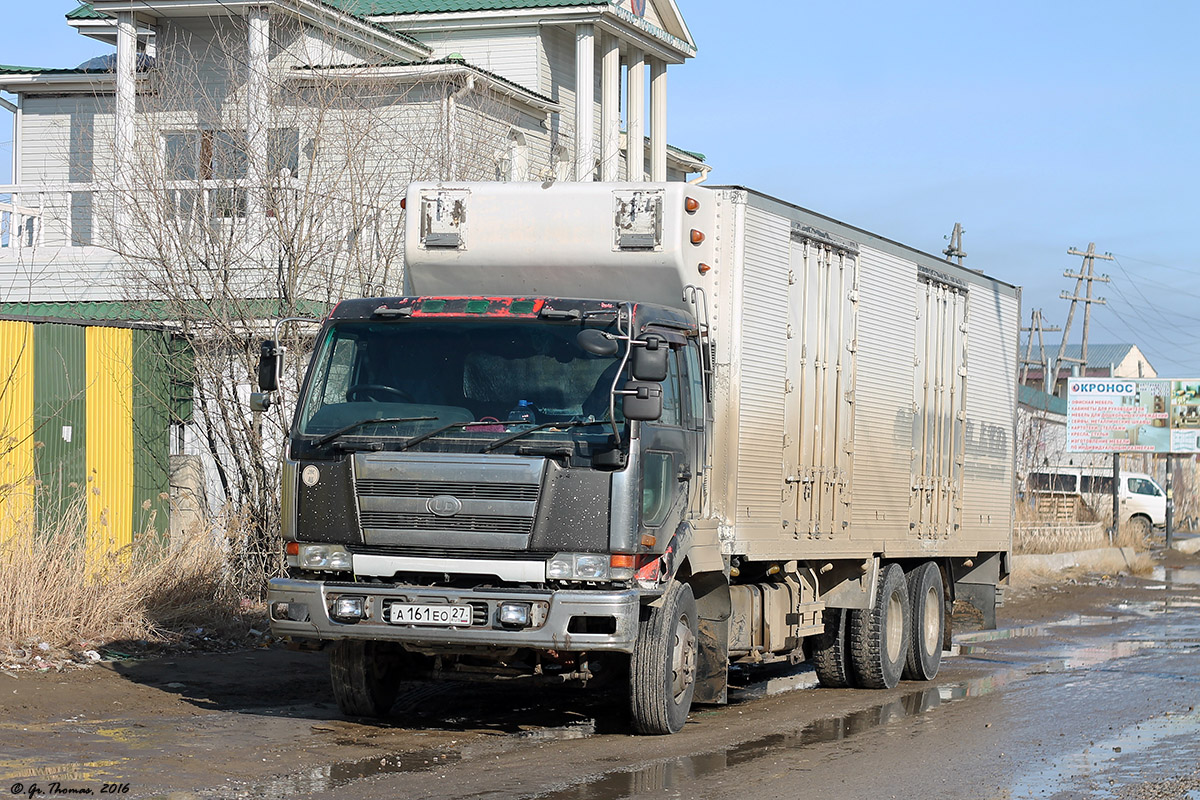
x: 463, y: 491
x: 459, y: 522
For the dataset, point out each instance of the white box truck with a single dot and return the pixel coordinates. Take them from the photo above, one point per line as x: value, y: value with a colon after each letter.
x: 642, y: 432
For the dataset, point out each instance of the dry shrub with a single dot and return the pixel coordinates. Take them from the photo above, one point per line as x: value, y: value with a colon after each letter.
x: 1132, y: 536
x: 55, y: 589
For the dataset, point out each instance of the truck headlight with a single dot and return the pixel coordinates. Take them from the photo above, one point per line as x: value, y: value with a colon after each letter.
x: 578, y: 567
x: 323, y: 556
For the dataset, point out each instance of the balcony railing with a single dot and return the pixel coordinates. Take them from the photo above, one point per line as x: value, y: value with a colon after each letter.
x: 20, y: 224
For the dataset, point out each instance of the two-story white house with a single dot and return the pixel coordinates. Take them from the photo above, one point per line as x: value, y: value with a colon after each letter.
x: 293, y: 126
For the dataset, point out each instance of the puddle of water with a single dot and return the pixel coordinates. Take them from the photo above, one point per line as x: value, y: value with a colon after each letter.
x: 1074, y: 621
x: 333, y: 776
x: 1172, y: 577
x: 1133, y: 743
x: 676, y: 773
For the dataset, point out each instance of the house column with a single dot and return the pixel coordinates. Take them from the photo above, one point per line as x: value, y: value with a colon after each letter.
x: 635, y: 109
x: 658, y: 120
x: 610, y: 110
x: 258, y: 109
x: 585, y: 97
x: 123, y: 122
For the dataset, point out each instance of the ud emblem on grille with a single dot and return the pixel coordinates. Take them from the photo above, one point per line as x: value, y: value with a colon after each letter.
x: 444, y: 505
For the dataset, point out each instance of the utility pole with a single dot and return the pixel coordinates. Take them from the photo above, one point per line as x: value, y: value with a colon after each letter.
x: 955, y: 251
x: 1086, y: 273
x: 1036, y: 326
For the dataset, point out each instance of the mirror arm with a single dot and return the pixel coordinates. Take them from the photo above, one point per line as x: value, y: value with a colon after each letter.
x: 626, y: 314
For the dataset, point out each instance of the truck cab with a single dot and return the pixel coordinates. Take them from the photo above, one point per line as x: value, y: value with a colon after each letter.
x: 506, y: 471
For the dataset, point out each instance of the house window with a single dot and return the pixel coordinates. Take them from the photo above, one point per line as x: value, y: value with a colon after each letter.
x: 220, y: 155
x: 205, y: 155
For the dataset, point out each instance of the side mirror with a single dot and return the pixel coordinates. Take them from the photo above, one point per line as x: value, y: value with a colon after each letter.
x: 642, y: 401
x: 650, y: 359
x: 268, y: 366
x: 260, y: 401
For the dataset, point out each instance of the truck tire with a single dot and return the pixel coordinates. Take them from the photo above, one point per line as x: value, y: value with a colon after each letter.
x: 662, y: 669
x: 829, y: 655
x: 365, y: 680
x: 879, y: 635
x: 927, y: 607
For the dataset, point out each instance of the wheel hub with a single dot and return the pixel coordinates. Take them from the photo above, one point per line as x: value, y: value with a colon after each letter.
x: 683, y: 659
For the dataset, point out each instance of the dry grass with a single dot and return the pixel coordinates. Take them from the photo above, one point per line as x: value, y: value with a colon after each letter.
x: 54, y: 591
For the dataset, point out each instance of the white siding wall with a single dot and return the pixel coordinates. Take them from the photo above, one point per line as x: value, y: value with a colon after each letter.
x: 511, y: 53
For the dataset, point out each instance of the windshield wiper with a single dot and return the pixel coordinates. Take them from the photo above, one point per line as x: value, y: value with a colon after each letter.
x: 407, y: 443
x: 512, y: 437
x: 329, y: 437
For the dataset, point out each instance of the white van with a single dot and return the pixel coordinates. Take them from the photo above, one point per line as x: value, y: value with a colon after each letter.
x: 1143, y: 501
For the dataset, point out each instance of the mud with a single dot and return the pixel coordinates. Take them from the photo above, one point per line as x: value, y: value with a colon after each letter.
x: 1089, y: 690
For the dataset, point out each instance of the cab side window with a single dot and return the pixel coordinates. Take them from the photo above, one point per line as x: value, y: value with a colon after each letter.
x: 670, y: 389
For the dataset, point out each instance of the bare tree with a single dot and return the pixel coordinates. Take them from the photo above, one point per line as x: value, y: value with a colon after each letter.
x: 228, y: 243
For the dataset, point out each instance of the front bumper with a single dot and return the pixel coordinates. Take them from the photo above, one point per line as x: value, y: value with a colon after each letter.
x: 615, y: 612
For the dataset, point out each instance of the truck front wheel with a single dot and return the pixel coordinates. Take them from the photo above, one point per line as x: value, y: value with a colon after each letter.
x: 364, y: 678
x: 662, y: 669
x: 879, y: 635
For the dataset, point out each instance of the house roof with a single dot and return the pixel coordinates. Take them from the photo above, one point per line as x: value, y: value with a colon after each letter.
x: 87, y: 12
x: 379, y: 8
x: 451, y: 61
x: 1040, y: 401
x: 1101, y: 356
x: 9, y: 69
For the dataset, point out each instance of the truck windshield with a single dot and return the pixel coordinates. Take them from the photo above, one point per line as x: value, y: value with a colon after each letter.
x: 470, y: 381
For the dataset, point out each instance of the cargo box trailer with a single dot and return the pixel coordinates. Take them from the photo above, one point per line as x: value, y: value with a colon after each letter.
x: 642, y: 433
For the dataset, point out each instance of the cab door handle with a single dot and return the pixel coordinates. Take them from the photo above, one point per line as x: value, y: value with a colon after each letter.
x: 685, y: 473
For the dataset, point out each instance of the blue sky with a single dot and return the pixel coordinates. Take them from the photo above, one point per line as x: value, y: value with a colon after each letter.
x: 1038, y: 125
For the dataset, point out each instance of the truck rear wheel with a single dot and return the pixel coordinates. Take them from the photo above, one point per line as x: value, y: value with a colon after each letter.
x: 662, y: 669
x: 879, y: 635
x: 927, y: 610
x: 364, y: 678
x: 829, y: 655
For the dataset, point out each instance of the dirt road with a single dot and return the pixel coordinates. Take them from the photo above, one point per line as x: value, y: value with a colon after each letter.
x: 1089, y: 690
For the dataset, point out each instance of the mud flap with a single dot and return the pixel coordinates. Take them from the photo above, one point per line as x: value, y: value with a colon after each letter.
x: 712, y: 662
x: 983, y: 597
x: 978, y: 584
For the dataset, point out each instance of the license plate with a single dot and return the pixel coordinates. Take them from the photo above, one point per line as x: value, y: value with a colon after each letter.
x: 409, y: 614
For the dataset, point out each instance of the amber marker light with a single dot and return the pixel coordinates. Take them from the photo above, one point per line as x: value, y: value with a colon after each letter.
x: 292, y: 548
x: 403, y: 203
x: 697, y: 236
x: 620, y: 561
x: 704, y: 268
x: 691, y: 204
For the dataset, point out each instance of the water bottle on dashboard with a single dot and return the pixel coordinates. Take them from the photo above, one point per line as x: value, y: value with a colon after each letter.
x: 522, y: 413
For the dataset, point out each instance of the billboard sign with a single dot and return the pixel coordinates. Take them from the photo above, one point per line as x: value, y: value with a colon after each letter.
x: 1118, y: 415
